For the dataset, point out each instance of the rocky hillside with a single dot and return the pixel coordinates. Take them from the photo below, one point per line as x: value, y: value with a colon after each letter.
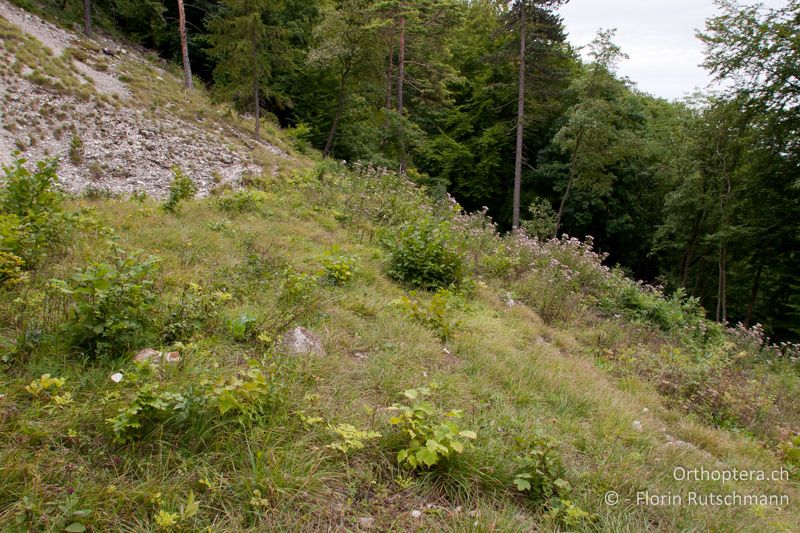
x: 117, y: 120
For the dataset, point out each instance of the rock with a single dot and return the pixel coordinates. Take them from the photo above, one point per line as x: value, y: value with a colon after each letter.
x: 366, y: 522
x: 416, y: 513
x: 149, y: 354
x: 637, y: 425
x: 301, y: 341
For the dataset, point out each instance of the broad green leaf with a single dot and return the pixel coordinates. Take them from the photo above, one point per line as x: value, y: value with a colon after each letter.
x: 75, y: 527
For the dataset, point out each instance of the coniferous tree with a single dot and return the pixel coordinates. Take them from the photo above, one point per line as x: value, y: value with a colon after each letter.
x: 242, y: 44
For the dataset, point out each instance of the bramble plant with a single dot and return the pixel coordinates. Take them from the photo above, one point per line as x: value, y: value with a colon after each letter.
x: 430, y: 440
x: 350, y: 438
x: 241, y: 201
x: 437, y: 314
x: 31, y: 219
x: 423, y: 255
x: 45, y: 385
x: 337, y: 270
x: 541, y: 473
x: 110, y: 303
x: 189, y: 313
x: 242, y: 397
x: 167, y: 521
x: 181, y: 188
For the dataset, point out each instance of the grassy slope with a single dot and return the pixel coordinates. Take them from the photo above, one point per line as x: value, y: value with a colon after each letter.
x: 507, y: 370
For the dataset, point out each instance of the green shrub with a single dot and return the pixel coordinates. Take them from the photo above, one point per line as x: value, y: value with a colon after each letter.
x: 429, y: 439
x: 422, y: 255
x: 11, y: 269
x: 437, y: 314
x: 31, y: 219
x: 241, y: 201
x: 337, y: 270
x: 540, y: 473
x: 181, y: 188
x: 111, y: 303
x: 542, y: 223
x: 75, y: 150
x: 301, y: 135
x: 244, y: 397
x: 190, y: 312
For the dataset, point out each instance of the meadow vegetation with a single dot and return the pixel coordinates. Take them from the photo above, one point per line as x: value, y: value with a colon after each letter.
x: 479, y: 381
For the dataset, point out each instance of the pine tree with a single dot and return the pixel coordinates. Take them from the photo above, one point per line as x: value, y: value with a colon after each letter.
x: 242, y: 43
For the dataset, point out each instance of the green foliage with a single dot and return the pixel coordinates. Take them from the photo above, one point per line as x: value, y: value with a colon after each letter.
x: 248, y: 396
x: 570, y: 515
x: 31, y: 219
x: 542, y: 223
x: 640, y: 303
x: 193, y: 310
x: 423, y: 255
x: 791, y: 452
x: 437, y: 314
x: 75, y: 150
x: 11, y: 267
x: 337, y: 269
x: 350, y: 438
x: 241, y: 201
x: 45, y: 385
x: 540, y: 473
x: 181, y: 188
x: 429, y: 440
x: 245, y: 398
x: 167, y: 521
x: 301, y: 135
x: 110, y: 303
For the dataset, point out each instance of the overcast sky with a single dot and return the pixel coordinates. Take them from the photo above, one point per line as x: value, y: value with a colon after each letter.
x: 658, y: 35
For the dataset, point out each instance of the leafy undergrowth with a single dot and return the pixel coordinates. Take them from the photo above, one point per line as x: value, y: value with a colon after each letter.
x: 452, y: 410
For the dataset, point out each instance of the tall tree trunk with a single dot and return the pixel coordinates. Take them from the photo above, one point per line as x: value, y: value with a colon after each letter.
x: 389, y: 74
x: 688, y: 253
x: 256, y: 84
x: 389, y: 92
x: 187, y: 67
x: 515, y: 216
x: 401, y: 78
x: 337, y: 115
x: 87, y: 17
x: 753, y: 296
x: 573, y: 172
x: 722, y: 289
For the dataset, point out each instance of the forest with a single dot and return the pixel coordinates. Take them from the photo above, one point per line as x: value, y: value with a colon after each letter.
x: 488, y: 100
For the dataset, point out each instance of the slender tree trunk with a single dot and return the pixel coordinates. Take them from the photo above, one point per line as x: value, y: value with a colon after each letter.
x: 520, y: 122
x: 337, y: 115
x: 256, y: 84
x: 753, y: 296
x: 401, y: 78
x: 722, y: 290
x: 688, y: 253
x: 573, y: 171
x: 187, y: 67
x: 389, y: 92
x: 87, y: 17
x: 389, y: 74
x: 401, y: 65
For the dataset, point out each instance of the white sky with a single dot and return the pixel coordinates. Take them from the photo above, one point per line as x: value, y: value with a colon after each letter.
x: 658, y: 35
